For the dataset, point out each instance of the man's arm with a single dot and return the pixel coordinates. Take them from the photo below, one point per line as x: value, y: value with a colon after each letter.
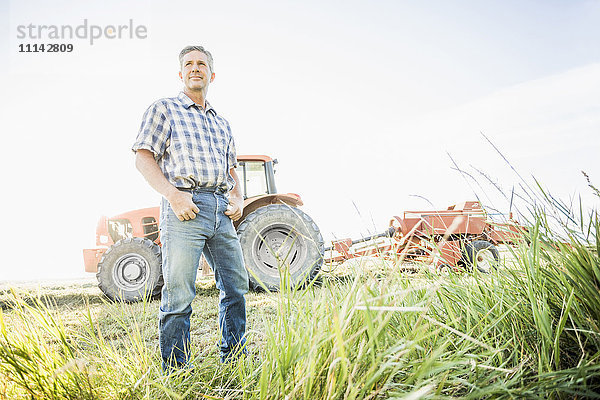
x: 181, y: 202
x: 236, y: 199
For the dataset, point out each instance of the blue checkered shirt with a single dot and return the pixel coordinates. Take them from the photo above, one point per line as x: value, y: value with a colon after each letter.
x: 192, y: 146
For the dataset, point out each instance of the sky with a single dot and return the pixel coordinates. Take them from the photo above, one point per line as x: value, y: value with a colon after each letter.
x: 370, y: 108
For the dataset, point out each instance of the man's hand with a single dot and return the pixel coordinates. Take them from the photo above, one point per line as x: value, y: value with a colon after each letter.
x: 182, y: 204
x: 235, y: 208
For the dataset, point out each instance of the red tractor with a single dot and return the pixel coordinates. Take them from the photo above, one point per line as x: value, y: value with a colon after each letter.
x: 273, y: 233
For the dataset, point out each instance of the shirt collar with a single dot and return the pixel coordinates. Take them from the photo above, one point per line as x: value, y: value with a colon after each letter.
x: 187, y: 103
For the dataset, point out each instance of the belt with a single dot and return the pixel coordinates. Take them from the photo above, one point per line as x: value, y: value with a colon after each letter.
x: 203, y: 189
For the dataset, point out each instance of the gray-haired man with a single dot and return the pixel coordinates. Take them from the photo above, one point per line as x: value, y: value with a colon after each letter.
x: 186, y: 152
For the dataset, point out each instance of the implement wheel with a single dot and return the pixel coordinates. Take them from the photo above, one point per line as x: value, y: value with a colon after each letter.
x: 481, y: 254
x: 278, y: 238
x: 130, y: 270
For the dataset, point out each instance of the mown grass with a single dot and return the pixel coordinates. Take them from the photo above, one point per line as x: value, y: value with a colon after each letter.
x: 531, y: 329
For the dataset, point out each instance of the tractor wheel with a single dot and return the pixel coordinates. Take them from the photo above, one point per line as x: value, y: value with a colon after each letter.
x: 278, y: 236
x: 130, y: 270
x: 445, y: 270
x: 482, y: 254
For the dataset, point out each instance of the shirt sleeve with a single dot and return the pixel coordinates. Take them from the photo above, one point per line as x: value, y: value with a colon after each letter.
x: 155, y: 131
x: 231, y: 154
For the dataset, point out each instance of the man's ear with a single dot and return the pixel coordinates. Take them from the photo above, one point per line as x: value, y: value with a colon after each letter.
x: 212, y: 77
x: 180, y: 76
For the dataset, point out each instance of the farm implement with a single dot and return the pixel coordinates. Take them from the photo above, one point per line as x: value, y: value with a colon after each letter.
x: 460, y: 237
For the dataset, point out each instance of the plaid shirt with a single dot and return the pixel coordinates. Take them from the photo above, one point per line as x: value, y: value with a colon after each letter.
x: 193, y: 147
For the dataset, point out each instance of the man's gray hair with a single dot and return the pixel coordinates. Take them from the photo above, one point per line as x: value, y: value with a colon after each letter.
x: 201, y: 49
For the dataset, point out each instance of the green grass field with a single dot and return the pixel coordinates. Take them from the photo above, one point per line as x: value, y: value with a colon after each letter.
x: 531, y: 329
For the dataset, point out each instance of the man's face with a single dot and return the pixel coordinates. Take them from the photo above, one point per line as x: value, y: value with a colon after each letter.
x: 195, y: 72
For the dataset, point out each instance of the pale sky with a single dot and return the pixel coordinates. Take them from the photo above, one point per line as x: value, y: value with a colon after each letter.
x: 360, y: 101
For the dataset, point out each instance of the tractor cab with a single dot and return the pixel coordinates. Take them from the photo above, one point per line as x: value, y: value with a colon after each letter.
x: 257, y: 175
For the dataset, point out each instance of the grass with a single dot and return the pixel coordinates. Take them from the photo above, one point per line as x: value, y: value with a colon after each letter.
x: 531, y: 329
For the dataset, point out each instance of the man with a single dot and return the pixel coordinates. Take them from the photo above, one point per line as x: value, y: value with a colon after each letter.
x: 186, y: 152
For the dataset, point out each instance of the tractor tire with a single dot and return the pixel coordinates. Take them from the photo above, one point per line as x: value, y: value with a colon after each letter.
x: 131, y: 270
x: 280, y: 235
x: 445, y: 270
x: 481, y: 254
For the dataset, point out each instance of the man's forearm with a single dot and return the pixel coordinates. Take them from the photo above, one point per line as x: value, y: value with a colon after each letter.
x: 236, y: 200
x: 236, y: 192
x: 181, y: 202
x: 145, y: 163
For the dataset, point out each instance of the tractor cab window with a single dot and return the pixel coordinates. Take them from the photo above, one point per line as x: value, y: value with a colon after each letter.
x: 253, y: 178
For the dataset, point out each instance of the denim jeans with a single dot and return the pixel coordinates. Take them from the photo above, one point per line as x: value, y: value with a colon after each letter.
x: 213, y: 234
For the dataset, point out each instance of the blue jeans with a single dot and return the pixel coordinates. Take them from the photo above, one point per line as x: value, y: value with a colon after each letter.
x: 213, y: 234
